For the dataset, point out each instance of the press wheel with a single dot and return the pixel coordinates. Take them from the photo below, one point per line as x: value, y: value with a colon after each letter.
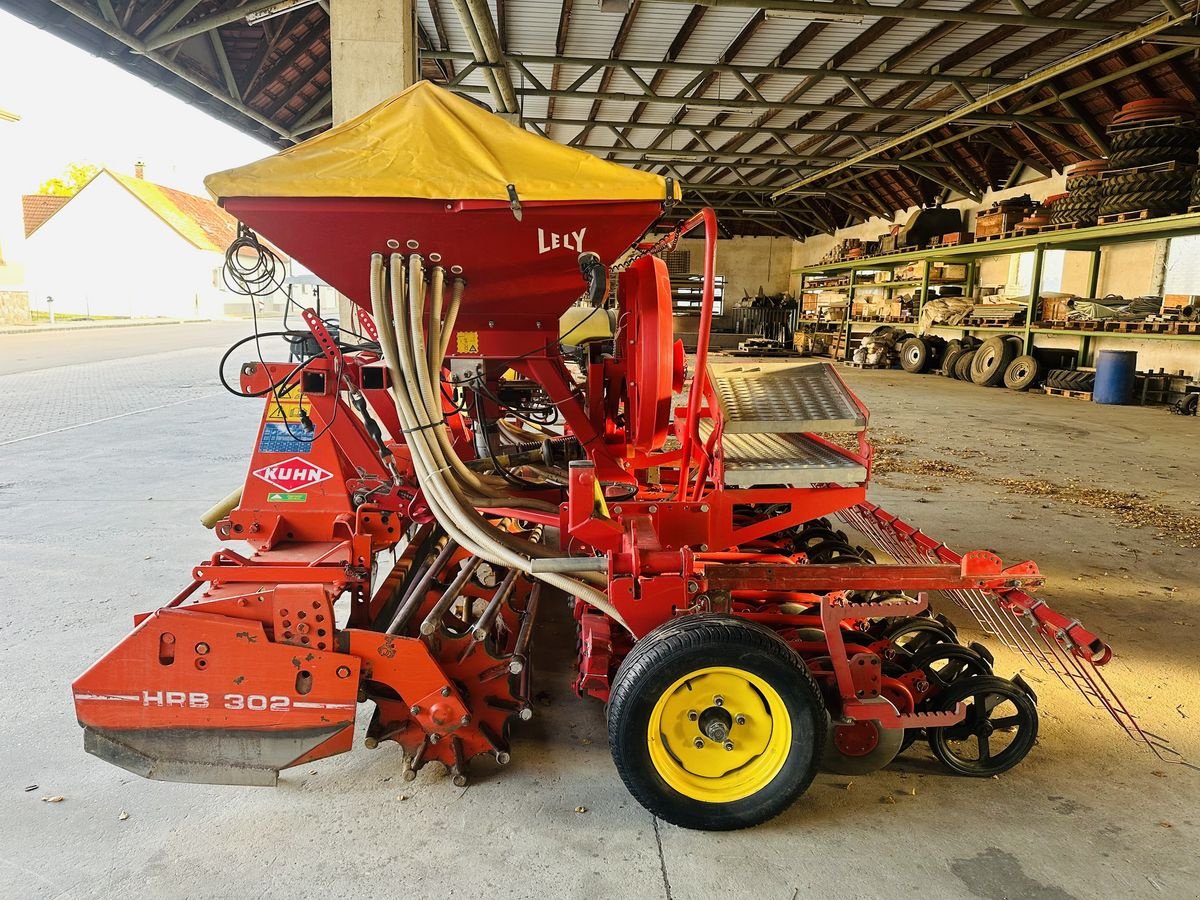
x: 717, y: 725
x: 998, y: 732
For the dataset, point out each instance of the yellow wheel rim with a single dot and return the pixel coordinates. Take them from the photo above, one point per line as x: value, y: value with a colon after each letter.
x: 719, y: 734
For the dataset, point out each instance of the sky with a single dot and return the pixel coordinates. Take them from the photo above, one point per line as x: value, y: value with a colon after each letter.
x: 75, y: 107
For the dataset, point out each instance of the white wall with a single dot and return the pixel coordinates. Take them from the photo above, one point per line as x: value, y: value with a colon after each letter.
x: 12, y: 226
x: 747, y: 263
x: 106, y: 254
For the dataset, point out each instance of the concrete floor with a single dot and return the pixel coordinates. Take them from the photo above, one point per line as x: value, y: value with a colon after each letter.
x: 98, y: 521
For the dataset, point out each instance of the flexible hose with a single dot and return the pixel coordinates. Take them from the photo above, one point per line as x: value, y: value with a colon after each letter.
x: 461, y: 522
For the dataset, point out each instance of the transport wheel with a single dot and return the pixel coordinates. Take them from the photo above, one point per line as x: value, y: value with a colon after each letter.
x: 716, y: 723
x: 914, y: 355
x: 862, y: 747
x: 991, y: 360
x: 949, y: 358
x: 999, y: 731
x: 1021, y: 373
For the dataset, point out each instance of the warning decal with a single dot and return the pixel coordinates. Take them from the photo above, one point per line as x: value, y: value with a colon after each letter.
x: 468, y: 342
x: 292, y: 474
x: 286, y: 405
x: 280, y: 438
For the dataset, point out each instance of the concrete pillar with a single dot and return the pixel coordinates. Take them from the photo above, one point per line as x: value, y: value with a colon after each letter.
x: 374, y: 52
x: 373, y: 46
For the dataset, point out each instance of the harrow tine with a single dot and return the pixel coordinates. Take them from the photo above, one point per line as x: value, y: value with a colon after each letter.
x: 430, y: 624
x: 411, y: 601
x: 1021, y: 633
x: 418, y: 760
x: 479, y: 631
x: 1063, y: 665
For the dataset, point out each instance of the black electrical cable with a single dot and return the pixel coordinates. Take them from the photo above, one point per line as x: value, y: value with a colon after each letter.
x: 252, y: 270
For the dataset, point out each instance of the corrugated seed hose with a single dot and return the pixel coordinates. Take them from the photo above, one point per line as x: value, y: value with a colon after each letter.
x: 418, y: 404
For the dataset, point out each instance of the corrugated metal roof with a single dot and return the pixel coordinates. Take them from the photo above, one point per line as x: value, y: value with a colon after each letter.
x: 283, y: 77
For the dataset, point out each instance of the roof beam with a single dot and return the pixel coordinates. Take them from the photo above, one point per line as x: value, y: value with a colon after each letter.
x: 214, y: 38
x: 208, y: 23
x: 694, y: 102
x: 838, y: 73
x: 1133, y: 36
x: 178, y: 71
x: 173, y: 18
x: 869, y: 10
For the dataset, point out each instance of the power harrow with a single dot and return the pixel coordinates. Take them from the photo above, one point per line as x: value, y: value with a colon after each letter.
x: 418, y: 495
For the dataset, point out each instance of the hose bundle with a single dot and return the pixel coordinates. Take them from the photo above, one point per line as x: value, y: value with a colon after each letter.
x: 453, y: 491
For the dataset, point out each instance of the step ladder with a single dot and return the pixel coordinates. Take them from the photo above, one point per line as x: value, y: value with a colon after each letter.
x: 771, y: 411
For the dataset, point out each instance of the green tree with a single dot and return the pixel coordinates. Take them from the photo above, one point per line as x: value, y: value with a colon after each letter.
x: 69, y: 183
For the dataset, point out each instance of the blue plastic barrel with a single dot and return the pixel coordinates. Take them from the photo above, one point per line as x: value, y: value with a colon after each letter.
x: 1114, y: 376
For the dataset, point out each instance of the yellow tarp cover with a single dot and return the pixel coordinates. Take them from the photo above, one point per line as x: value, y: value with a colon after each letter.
x: 431, y: 144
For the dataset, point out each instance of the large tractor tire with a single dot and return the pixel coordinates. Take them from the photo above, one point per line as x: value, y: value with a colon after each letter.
x: 714, y: 723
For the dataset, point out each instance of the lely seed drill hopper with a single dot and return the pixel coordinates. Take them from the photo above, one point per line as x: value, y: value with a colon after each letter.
x: 418, y: 494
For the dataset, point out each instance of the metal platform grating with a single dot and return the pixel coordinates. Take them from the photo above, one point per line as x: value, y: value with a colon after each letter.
x: 785, y: 399
x: 789, y: 459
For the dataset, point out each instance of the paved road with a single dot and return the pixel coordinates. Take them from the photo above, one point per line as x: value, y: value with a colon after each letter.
x: 114, y: 443
x: 53, y: 349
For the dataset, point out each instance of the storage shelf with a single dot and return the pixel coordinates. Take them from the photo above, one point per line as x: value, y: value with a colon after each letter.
x: 885, y: 284
x: 1020, y: 328
x: 1091, y: 238
x: 1133, y: 335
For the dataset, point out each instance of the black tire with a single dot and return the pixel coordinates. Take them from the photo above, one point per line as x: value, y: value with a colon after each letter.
x: 1149, y: 156
x: 991, y: 360
x: 957, y: 661
x: 1057, y: 378
x: 917, y: 633
x: 949, y: 744
x: 668, y: 655
x: 1139, y: 138
x: 1175, y: 200
x: 1021, y: 373
x: 949, y: 358
x: 1082, y: 381
x: 1142, y: 182
x: 914, y: 355
x: 962, y: 368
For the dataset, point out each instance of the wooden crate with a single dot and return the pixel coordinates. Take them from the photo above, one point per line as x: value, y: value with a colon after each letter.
x: 1000, y: 222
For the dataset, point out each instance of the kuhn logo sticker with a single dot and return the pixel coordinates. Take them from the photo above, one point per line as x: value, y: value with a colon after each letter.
x: 292, y: 474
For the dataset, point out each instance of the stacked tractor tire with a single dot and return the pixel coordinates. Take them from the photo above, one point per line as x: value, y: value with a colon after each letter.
x: 1081, y: 204
x: 1152, y: 164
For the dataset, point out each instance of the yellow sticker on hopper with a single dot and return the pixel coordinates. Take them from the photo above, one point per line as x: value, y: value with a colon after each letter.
x: 468, y: 342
